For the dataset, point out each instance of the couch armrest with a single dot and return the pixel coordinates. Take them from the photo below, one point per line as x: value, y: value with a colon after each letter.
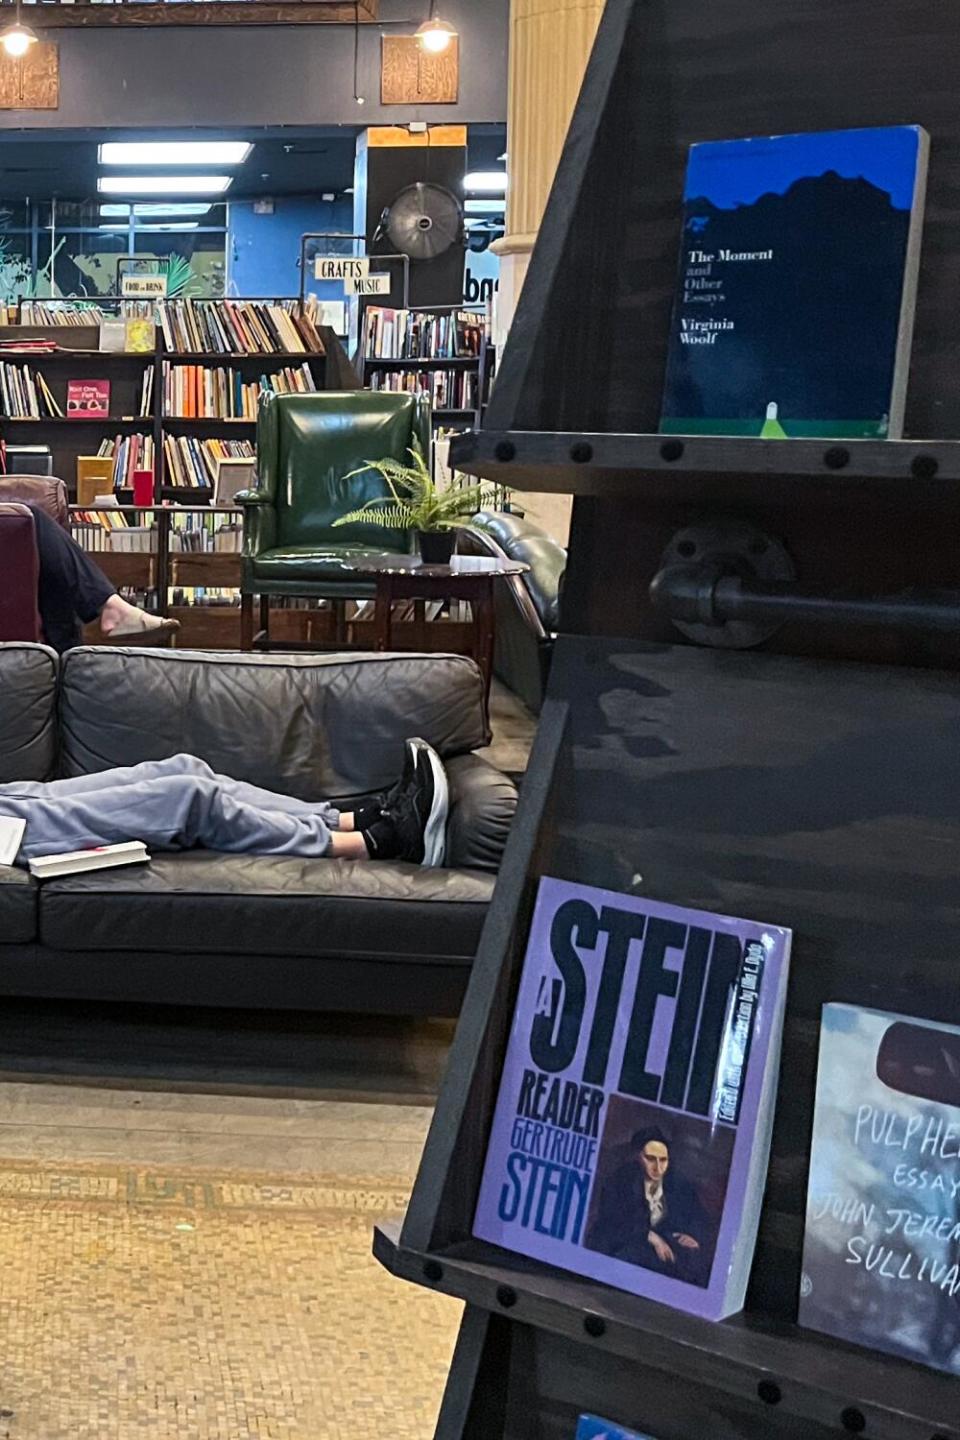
x: 482, y: 805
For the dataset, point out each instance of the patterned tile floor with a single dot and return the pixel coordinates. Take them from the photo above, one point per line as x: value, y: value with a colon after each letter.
x: 209, y: 1305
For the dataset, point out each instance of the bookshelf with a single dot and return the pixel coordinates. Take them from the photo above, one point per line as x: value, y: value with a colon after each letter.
x: 459, y: 384
x: 754, y: 781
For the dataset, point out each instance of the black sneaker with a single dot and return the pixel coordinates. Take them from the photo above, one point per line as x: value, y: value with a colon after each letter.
x: 368, y: 814
x: 413, y: 827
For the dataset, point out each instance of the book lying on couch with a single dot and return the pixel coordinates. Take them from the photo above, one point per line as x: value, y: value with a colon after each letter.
x: 99, y: 857
x: 632, y: 1127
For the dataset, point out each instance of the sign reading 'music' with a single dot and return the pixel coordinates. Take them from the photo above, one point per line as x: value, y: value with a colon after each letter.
x: 368, y: 285
x: 144, y: 287
x: 340, y: 267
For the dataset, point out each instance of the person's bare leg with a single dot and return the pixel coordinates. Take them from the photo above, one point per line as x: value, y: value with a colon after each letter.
x: 118, y: 617
x: 348, y: 845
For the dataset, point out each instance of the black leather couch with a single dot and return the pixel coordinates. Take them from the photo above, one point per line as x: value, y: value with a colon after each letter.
x: 527, y: 606
x: 202, y: 928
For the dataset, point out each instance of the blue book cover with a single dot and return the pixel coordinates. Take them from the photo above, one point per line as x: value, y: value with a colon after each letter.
x: 793, y: 312
x: 881, y: 1257
x: 591, y: 1427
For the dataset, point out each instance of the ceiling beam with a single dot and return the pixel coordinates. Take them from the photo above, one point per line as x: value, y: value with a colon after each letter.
x: 221, y: 12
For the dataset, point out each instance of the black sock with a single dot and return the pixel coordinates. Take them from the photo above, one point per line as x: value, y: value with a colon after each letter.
x: 381, y: 839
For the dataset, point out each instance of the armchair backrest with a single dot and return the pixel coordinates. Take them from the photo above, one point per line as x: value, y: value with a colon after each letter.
x: 20, y: 569
x: 308, y: 444
x: 45, y: 491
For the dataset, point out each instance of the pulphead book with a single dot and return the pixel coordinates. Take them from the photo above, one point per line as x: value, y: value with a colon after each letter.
x: 793, y: 311
x: 881, y: 1257
x: 632, y: 1126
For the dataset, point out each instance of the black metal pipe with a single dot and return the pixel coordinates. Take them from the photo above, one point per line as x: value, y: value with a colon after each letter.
x: 701, y: 595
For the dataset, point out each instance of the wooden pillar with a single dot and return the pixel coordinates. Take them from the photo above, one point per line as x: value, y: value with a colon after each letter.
x: 550, y: 42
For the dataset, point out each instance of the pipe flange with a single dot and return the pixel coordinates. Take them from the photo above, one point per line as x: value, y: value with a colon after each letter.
x: 728, y: 548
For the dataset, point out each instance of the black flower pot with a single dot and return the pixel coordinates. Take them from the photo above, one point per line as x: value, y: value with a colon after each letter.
x: 437, y: 546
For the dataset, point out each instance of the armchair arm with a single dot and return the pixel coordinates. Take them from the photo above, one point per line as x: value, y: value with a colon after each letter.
x: 422, y: 424
x: 482, y: 805
x: 259, y: 522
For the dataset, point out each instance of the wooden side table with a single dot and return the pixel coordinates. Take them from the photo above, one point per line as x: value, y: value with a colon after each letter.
x: 467, y: 577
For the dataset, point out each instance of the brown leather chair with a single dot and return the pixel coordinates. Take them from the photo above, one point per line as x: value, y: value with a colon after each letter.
x: 19, y: 574
x: 46, y: 491
x: 19, y: 563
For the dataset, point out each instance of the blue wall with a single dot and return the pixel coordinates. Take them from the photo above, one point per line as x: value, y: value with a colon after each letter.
x: 264, y: 249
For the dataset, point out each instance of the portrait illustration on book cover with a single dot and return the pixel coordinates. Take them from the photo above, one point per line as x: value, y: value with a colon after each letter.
x: 659, y: 1192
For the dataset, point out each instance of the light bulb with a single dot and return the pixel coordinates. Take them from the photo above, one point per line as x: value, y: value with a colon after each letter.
x: 17, y: 39
x: 435, y: 35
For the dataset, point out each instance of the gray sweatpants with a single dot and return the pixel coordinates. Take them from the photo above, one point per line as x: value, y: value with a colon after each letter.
x: 170, y: 805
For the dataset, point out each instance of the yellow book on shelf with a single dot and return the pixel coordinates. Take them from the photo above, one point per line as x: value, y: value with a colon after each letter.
x: 140, y: 336
x: 94, y: 477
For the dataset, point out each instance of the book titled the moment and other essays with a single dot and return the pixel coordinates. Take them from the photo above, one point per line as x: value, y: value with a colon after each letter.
x: 793, y: 312
x: 881, y: 1258
x: 632, y: 1126
x: 591, y: 1427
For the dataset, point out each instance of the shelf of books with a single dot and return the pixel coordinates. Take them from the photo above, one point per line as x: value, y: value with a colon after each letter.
x: 155, y: 404
x: 444, y: 353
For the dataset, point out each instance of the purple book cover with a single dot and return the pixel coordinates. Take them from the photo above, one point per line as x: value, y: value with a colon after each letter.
x: 630, y: 1137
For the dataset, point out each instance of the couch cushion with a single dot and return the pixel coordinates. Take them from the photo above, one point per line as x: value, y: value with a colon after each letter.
x: 206, y: 903
x: 28, y: 712
x: 18, y: 907
x: 317, y: 727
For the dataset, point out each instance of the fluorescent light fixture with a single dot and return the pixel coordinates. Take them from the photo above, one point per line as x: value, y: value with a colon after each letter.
x: 174, y: 152
x: 486, y: 182
x: 164, y: 184
x: 483, y: 207
x: 155, y: 208
x: 174, y: 225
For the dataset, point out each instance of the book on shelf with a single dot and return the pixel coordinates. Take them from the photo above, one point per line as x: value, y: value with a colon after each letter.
x: 247, y: 327
x: 94, y: 474
x: 591, y: 1427
x: 129, y: 453
x: 447, y: 389
x: 197, y: 534
x: 88, y: 399
x: 632, y: 1126
x: 113, y: 336
x: 192, y: 463
x: 140, y: 336
x: 98, y: 857
x: 881, y: 1255
x: 391, y: 334
x: 233, y: 474
x: 25, y: 459
x: 793, y: 309
x: 146, y: 393
x: 207, y: 392
x: 61, y: 312
x: 25, y: 394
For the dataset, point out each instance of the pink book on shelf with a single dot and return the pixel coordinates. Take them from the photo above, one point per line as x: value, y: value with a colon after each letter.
x: 88, y: 399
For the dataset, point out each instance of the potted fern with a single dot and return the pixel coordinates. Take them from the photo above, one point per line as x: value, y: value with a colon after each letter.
x: 415, y: 503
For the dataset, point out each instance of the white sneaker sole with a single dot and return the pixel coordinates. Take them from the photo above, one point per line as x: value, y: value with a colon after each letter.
x: 435, y: 830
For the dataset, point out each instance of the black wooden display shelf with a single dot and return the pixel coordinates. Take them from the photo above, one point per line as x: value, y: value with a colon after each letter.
x: 108, y: 422
x: 173, y: 422
x: 615, y: 465
x: 422, y: 362
x: 773, y: 1365
x: 210, y: 357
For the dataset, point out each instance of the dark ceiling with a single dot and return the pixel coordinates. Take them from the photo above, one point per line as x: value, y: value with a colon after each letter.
x: 285, y: 162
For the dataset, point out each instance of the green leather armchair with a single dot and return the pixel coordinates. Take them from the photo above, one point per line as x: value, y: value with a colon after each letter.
x: 306, y: 446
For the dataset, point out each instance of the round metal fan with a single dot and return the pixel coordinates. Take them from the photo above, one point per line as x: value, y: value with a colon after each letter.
x: 423, y: 221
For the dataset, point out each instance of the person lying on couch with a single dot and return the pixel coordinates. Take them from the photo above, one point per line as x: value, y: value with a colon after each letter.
x: 181, y: 803
x: 72, y: 587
